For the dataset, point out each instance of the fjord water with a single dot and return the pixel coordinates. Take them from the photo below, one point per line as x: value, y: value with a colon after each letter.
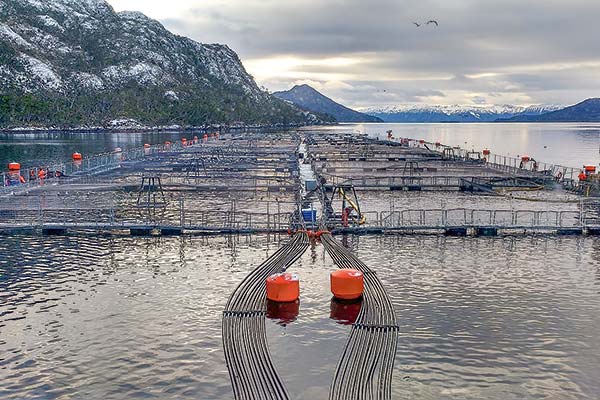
x: 88, y: 317
x: 43, y: 148
x: 567, y: 144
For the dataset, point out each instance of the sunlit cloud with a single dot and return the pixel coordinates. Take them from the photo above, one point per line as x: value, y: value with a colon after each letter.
x: 370, y: 54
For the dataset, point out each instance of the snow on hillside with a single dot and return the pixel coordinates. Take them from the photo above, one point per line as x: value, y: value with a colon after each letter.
x: 455, y: 113
x: 61, y: 44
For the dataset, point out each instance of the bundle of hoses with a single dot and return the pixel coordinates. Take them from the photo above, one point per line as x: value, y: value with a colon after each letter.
x: 251, y: 370
x: 365, y: 369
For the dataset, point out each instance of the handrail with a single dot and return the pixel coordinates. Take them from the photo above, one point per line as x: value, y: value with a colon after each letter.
x: 25, y: 179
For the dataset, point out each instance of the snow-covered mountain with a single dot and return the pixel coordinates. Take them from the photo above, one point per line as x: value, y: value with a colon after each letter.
x: 75, y: 61
x: 308, y: 98
x: 454, y: 113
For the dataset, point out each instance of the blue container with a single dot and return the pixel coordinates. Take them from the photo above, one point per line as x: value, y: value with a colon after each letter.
x: 309, y: 215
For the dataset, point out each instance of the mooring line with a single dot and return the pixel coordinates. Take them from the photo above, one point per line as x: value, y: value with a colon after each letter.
x: 251, y: 370
x: 365, y: 368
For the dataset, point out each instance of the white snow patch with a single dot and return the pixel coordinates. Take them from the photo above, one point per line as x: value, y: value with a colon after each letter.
x: 171, y: 95
x: 89, y: 81
x: 8, y: 34
x: 42, y: 71
x: 133, y: 16
x: 143, y: 73
x: 125, y: 123
x: 51, y: 22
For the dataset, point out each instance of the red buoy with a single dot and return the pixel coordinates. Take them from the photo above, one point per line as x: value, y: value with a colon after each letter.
x: 486, y: 152
x: 347, y: 284
x: 283, y: 287
x: 14, y: 166
x: 77, y: 156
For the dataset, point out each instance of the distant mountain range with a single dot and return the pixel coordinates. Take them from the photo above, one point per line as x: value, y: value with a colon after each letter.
x: 310, y: 99
x: 455, y: 113
x: 586, y: 111
x: 74, y: 63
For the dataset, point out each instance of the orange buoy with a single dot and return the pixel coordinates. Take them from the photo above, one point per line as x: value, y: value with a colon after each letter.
x: 486, y: 152
x: 283, y: 287
x: 77, y: 156
x: 589, y: 168
x: 14, y: 166
x: 347, y: 284
x: 146, y: 145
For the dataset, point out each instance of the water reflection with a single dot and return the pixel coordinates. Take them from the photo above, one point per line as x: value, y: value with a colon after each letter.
x: 131, y: 318
x: 345, y: 312
x: 283, y: 313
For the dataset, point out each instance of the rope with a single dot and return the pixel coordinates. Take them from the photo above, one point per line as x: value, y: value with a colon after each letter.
x: 365, y: 369
x: 251, y: 371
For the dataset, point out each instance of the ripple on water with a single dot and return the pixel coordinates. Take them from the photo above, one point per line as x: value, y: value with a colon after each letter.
x: 125, y: 318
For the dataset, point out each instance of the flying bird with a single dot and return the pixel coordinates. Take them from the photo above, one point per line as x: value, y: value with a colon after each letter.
x: 417, y: 24
x: 433, y: 22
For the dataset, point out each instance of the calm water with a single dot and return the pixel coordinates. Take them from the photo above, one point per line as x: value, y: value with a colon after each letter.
x: 88, y: 317
x: 571, y: 145
x: 137, y: 318
x: 38, y: 149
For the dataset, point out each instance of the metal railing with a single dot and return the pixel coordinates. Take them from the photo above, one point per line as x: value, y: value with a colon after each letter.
x: 176, y: 215
x: 512, y: 165
x: 464, y: 217
x: 26, y: 179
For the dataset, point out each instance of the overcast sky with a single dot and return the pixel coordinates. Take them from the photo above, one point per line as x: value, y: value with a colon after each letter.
x: 368, y: 52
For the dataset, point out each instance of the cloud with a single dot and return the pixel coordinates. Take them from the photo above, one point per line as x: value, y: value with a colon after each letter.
x: 369, y: 53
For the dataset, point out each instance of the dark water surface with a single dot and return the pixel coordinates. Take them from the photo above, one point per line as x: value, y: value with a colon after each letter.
x: 134, y: 318
x: 569, y: 144
x: 87, y: 317
x: 39, y: 149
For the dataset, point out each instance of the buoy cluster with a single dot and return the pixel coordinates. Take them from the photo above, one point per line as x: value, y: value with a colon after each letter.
x: 346, y: 285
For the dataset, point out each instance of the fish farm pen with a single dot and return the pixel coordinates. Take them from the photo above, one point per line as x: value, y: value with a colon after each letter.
x: 311, y: 186
x: 283, y: 182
